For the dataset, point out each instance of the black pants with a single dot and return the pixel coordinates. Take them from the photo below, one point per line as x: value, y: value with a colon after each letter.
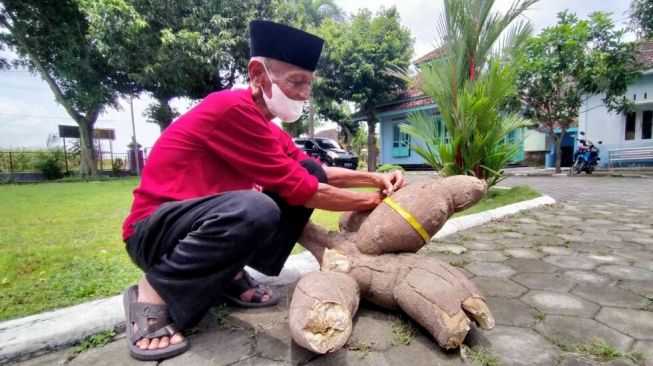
x: 190, y: 250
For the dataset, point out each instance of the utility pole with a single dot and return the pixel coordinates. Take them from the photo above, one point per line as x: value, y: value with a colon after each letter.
x: 134, y: 143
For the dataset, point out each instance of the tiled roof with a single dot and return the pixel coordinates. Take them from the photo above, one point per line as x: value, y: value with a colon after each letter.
x: 430, y: 56
x: 645, y: 53
x: 408, y: 99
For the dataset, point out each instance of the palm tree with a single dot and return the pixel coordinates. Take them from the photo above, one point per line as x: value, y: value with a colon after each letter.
x: 472, y: 84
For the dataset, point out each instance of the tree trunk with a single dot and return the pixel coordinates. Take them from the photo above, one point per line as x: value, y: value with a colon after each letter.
x: 349, y: 137
x: 167, y: 116
x: 371, y: 143
x: 293, y: 129
x: 559, y: 140
x: 88, y: 158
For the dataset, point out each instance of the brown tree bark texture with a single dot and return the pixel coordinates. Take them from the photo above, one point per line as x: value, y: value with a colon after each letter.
x: 429, y: 203
x: 322, y: 309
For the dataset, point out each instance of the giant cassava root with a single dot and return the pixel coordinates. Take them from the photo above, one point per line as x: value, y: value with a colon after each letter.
x: 433, y: 293
x: 322, y: 309
x: 430, y: 204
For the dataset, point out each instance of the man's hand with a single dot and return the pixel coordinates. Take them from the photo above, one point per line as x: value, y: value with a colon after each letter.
x: 390, y: 182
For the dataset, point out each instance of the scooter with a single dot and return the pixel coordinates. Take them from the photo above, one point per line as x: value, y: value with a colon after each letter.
x: 586, y: 156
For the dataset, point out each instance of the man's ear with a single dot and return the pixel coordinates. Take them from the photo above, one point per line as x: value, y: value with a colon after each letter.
x: 256, y: 72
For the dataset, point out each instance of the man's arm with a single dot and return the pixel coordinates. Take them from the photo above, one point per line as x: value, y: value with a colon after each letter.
x: 345, y: 178
x: 332, y: 198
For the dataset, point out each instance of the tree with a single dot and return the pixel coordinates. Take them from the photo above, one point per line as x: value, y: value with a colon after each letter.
x: 355, y: 55
x: 641, y: 17
x: 308, y: 15
x: 473, y: 85
x: 50, y: 38
x: 570, y: 62
x: 175, y: 49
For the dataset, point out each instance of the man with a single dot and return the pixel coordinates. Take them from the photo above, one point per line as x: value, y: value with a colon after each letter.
x: 224, y: 187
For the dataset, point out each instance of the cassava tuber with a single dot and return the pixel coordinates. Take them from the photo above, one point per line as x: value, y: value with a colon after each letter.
x: 433, y: 293
x: 322, y: 309
x: 429, y: 203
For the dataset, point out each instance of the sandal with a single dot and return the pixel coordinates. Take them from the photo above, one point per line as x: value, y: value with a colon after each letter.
x: 245, y: 283
x: 139, y: 313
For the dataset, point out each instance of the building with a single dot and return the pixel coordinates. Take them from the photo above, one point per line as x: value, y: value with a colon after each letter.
x: 618, y: 131
x: 395, y: 146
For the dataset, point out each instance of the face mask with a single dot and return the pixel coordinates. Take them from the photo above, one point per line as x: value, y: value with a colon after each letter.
x: 286, y: 109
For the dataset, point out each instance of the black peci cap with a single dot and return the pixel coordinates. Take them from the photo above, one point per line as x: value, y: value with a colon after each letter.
x: 284, y: 43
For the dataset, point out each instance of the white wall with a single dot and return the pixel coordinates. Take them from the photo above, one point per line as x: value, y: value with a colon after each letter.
x: 535, y: 141
x: 599, y: 125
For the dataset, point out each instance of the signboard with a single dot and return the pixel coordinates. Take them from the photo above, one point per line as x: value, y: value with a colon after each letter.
x: 98, y: 133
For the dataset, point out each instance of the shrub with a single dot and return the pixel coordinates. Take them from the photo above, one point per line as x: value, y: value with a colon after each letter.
x: 385, y: 168
x: 117, y: 166
x: 49, y: 163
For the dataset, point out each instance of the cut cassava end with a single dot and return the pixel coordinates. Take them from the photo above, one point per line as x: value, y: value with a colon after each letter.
x: 322, y: 309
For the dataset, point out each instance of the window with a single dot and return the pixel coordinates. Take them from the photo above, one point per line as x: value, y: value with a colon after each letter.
x: 442, y: 129
x: 327, y: 144
x: 309, y: 145
x: 400, y: 142
x: 630, y: 126
x: 647, y: 125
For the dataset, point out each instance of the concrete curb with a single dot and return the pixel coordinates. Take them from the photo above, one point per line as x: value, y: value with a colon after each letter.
x: 37, y: 334
x: 467, y: 222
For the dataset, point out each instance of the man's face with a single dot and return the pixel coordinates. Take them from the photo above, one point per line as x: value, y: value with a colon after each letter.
x: 294, y: 81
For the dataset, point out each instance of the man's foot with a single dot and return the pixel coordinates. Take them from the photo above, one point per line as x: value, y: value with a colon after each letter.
x: 243, y: 291
x: 247, y: 295
x: 152, y: 334
x: 147, y: 294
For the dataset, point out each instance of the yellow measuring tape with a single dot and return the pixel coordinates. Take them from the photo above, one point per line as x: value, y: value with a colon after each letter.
x: 411, y: 220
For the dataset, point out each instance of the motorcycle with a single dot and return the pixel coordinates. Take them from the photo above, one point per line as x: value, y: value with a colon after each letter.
x: 586, y: 156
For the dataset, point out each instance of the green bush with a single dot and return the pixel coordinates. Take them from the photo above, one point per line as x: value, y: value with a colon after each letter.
x: 117, y: 166
x: 49, y: 163
x: 16, y: 160
x: 385, y: 168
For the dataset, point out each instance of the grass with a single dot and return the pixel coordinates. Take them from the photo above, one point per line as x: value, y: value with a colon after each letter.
x: 501, y: 197
x: 95, y: 341
x: 362, y: 347
x: 598, y: 350
x: 461, y: 263
x: 61, y: 245
x: 483, y: 356
x: 403, y: 332
x: 601, y: 351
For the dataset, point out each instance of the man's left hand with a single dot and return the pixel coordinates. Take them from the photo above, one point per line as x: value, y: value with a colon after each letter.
x: 392, y: 181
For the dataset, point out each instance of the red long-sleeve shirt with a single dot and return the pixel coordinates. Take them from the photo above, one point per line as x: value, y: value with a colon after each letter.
x: 223, y: 144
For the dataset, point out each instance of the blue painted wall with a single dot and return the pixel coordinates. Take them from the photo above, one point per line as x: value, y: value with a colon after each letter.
x: 388, y: 120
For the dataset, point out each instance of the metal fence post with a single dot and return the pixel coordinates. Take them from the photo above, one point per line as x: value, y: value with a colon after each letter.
x: 11, y: 164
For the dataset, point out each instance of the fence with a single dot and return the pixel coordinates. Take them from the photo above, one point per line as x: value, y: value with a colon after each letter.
x: 24, y: 162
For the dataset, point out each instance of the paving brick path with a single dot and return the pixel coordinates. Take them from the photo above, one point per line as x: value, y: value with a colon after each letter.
x: 557, y: 279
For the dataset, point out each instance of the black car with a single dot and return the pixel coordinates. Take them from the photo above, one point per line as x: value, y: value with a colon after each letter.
x: 328, y: 151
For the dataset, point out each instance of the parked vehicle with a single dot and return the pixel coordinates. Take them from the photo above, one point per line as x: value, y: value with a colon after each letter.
x: 586, y: 157
x: 328, y: 151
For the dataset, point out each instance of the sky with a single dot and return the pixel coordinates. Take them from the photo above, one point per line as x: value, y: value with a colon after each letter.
x: 29, y: 114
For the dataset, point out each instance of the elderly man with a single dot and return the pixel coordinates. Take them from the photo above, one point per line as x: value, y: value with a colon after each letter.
x: 223, y: 188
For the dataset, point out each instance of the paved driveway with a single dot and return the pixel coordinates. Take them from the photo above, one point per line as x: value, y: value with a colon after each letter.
x: 558, y: 280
